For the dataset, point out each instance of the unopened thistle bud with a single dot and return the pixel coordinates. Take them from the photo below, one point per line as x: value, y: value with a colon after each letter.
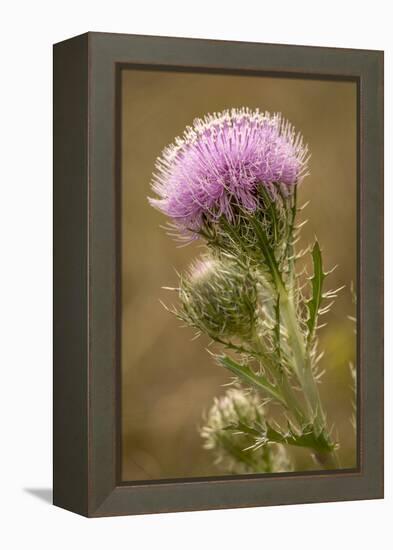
x: 234, y: 449
x: 219, y: 298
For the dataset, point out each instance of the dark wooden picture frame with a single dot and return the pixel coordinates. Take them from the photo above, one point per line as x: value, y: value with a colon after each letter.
x: 86, y: 275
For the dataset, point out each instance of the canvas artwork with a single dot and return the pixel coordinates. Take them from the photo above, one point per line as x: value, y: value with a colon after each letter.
x: 238, y: 274
x: 218, y: 274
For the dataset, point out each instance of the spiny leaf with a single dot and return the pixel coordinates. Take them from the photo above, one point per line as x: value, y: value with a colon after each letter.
x: 292, y: 236
x: 306, y: 438
x: 276, y: 327
x: 249, y: 376
x: 264, y: 433
x: 314, y: 304
x: 270, y: 208
x: 292, y: 210
x: 268, y: 253
x: 240, y: 455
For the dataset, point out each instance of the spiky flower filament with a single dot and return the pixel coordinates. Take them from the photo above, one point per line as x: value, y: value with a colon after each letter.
x: 219, y: 163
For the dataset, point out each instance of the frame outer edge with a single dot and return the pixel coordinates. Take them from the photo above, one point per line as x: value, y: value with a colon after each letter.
x: 70, y: 271
x: 371, y: 260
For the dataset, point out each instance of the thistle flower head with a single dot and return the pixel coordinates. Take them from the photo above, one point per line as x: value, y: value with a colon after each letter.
x: 218, y: 298
x: 219, y: 163
x: 234, y: 450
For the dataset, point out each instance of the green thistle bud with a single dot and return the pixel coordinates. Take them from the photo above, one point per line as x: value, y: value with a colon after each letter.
x: 235, y: 450
x: 219, y: 298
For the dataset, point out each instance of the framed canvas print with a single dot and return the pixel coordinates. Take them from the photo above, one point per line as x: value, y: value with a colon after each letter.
x: 218, y: 274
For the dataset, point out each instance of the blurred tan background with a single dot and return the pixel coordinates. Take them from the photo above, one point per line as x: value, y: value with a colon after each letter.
x: 168, y: 379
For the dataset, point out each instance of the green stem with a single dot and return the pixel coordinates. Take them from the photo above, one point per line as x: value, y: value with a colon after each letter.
x: 281, y: 380
x: 303, y: 370
x: 302, y: 363
x: 291, y: 400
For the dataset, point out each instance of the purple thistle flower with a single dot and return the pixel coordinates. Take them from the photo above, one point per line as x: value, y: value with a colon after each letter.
x: 219, y: 162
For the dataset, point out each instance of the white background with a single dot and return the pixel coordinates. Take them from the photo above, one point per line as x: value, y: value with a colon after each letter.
x: 28, y: 30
